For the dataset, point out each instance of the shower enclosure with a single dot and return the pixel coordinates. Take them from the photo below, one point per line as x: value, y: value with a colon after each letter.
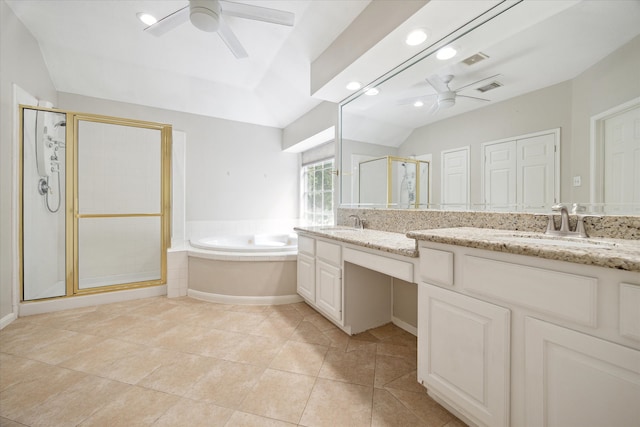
x: 394, y: 182
x: 95, y: 203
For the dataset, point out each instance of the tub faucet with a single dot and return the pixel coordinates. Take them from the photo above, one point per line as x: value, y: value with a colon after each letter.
x: 357, y: 222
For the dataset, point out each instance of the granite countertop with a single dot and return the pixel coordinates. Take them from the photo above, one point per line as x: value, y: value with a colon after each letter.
x: 395, y: 243
x: 620, y: 254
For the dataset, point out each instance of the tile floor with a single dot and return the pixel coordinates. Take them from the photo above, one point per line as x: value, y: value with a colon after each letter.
x: 184, y: 362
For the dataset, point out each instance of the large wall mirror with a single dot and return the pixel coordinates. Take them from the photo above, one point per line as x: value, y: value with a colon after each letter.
x: 528, y: 113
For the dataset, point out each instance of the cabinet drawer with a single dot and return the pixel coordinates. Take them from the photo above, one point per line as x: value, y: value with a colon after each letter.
x: 328, y: 252
x: 436, y: 267
x: 306, y: 245
x: 562, y: 295
x: 389, y: 266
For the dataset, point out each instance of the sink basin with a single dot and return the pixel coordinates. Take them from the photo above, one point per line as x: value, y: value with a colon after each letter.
x: 564, y: 242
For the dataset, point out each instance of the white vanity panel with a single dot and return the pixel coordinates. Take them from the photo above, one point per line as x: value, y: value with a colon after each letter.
x: 382, y: 264
x: 566, y: 296
x: 436, y: 266
x: 630, y: 311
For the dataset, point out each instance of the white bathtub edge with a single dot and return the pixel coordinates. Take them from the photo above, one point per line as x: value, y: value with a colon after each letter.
x: 240, y: 256
x: 244, y: 300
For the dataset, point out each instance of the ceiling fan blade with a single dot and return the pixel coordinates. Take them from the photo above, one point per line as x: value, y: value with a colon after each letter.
x: 473, y: 97
x: 476, y: 82
x: 169, y: 22
x: 231, y: 40
x: 257, y: 13
x: 438, y: 83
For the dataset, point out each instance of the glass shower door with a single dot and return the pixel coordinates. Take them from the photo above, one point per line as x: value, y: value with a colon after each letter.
x: 119, y: 223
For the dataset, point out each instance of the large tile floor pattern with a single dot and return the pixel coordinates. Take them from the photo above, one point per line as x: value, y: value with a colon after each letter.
x: 185, y: 362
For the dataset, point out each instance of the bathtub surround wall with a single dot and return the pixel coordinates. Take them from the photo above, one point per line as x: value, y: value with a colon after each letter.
x: 21, y: 63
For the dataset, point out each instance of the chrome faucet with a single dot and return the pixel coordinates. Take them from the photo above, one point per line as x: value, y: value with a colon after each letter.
x: 565, y: 228
x: 357, y: 222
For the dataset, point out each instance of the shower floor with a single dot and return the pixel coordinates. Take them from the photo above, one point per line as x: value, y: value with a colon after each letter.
x: 173, y: 362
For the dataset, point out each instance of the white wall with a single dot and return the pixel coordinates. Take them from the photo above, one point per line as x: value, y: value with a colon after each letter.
x: 20, y: 63
x: 234, y: 171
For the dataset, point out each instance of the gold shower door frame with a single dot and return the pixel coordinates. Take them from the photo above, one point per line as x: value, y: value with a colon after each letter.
x: 163, y: 212
x: 71, y: 204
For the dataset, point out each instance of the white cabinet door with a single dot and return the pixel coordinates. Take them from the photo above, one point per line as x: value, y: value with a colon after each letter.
x: 573, y: 379
x: 329, y: 289
x: 306, y: 277
x: 464, y: 353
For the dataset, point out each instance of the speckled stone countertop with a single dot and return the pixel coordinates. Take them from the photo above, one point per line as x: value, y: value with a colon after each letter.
x: 620, y: 254
x: 395, y: 243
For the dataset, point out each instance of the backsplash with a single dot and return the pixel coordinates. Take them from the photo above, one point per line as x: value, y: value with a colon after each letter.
x: 402, y: 221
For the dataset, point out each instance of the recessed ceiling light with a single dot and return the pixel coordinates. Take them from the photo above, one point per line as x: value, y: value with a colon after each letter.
x: 372, y: 91
x: 446, y: 52
x: 418, y: 103
x: 416, y: 37
x: 146, y: 18
x: 354, y: 85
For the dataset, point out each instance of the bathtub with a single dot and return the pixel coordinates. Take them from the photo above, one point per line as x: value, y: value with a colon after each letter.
x: 244, y: 269
x: 252, y: 243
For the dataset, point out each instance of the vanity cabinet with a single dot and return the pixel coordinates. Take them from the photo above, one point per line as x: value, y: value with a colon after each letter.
x: 306, y: 274
x: 506, y: 339
x: 466, y: 358
x: 320, y: 276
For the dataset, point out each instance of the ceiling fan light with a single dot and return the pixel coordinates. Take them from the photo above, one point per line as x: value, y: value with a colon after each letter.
x: 205, y: 15
x: 446, y: 103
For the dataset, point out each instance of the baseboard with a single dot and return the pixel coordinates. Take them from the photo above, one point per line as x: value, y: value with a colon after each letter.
x: 404, y: 325
x: 244, y: 300
x: 6, y: 320
x: 48, y: 306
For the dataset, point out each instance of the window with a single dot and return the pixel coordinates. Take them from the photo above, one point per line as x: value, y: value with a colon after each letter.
x: 317, y: 193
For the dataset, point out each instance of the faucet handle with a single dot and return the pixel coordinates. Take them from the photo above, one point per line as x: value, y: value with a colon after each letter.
x: 558, y: 207
x: 578, y: 208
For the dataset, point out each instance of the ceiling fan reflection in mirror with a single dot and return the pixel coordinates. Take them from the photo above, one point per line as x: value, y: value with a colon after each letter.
x: 445, y: 97
x: 208, y: 15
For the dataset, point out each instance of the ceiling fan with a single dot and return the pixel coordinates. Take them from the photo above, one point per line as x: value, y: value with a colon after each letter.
x: 445, y: 97
x: 208, y: 15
